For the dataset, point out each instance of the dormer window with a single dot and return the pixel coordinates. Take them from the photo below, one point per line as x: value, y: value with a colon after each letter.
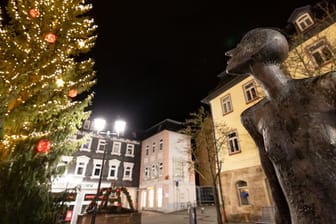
x: 304, y: 21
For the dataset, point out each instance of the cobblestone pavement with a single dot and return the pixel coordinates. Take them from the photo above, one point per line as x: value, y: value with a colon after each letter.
x: 208, y: 216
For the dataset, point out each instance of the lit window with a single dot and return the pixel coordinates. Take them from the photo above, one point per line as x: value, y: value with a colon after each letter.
x: 159, y: 197
x: 321, y: 52
x: 160, y: 168
x: 113, y: 169
x: 304, y: 21
x: 153, y: 146
x: 226, y: 104
x: 81, y: 163
x: 178, y: 168
x: 250, y: 91
x: 62, y: 166
x: 87, y: 145
x: 97, y: 167
x: 101, y: 146
x: 151, y: 198
x: 130, y: 150
x: 243, y: 193
x: 116, y: 148
x: 128, y: 170
x: 233, y: 143
x: 161, y: 144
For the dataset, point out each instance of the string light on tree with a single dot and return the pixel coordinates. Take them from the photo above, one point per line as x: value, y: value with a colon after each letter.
x: 41, y: 61
x: 59, y: 82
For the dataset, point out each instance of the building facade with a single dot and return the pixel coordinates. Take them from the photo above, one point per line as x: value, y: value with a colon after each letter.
x: 83, y: 169
x: 245, y: 186
x: 166, y: 182
x: 244, y: 183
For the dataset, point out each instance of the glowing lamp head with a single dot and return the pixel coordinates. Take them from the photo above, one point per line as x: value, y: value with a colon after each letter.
x: 119, y: 126
x: 99, y: 124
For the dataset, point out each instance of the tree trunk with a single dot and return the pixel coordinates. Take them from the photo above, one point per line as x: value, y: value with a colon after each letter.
x: 217, y: 204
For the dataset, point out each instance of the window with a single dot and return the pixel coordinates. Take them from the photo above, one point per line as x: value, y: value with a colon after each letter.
x: 233, y: 143
x: 178, y: 168
x: 81, y: 163
x: 304, y: 21
x: 97, y: 167
x: 87, y: 124
x: 153, y: 146
x: 321, y: 52
x: 151, y: 198
x: 128, y: 170
x: 159, y: 197
x: 113, y: 169
x: 161, y: 144
x: 154, y: 171
x: 147, y: 173
x: 101, y: 146
x: 62, y: 166
x: 130, y: 150
x: 226, y: 104
x: 160, y: 168
x: 250, y: 91
x: 243, y: 193
x: 116, y: 148
x: 87, y: 145
x: 147, y: 150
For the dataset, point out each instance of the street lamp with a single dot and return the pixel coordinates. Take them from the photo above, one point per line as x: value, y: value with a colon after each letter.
x: 99, y: 125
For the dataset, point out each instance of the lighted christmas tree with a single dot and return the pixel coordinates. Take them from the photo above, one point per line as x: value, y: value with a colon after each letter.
x: 45, y: 82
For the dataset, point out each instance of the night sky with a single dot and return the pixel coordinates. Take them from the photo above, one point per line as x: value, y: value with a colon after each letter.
x: 159, y: 59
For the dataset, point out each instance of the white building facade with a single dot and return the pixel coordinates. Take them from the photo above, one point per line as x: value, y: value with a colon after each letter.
x: 166, y: 182
x: 83, y: 169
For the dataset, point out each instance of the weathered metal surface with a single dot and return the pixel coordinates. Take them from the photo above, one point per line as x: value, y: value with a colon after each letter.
x: 294, y: 127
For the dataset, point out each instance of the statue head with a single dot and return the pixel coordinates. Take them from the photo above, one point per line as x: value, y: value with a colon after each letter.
x: 260, y: 45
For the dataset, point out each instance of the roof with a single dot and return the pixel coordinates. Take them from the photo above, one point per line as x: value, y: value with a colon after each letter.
x: 167, y: 124
x: 298, y: 11
x: 226, y: 82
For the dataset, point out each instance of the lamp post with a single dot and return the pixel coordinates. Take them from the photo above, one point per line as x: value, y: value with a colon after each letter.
x: 99, y: 125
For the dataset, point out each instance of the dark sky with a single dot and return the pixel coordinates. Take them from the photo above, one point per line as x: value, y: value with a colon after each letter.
x: 158, y: 59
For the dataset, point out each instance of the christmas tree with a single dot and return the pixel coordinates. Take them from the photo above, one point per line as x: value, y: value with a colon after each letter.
x: 45, y: 82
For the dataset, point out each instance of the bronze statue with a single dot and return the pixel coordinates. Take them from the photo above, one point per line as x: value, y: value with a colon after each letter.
x: 294, y: 127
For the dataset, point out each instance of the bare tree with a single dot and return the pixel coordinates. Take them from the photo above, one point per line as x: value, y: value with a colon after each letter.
x: 301, y: 65
x: 206, y: 150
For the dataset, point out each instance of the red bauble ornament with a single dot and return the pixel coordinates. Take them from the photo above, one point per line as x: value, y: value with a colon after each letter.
x: 34, y: 13
x: 50, y: 38
x: 73, y: 93
x: 43, y: 146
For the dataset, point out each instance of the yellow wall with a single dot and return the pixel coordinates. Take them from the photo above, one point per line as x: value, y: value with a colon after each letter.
x: 298, y: 69
x: 249, y: 154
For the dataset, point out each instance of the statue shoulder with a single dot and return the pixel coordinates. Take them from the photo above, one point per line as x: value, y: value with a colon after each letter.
x: 327, y: 81
x: 250, y: 116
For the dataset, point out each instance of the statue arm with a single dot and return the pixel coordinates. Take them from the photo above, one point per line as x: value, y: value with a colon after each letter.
x: 282, y: 214
x: 328, y: 84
